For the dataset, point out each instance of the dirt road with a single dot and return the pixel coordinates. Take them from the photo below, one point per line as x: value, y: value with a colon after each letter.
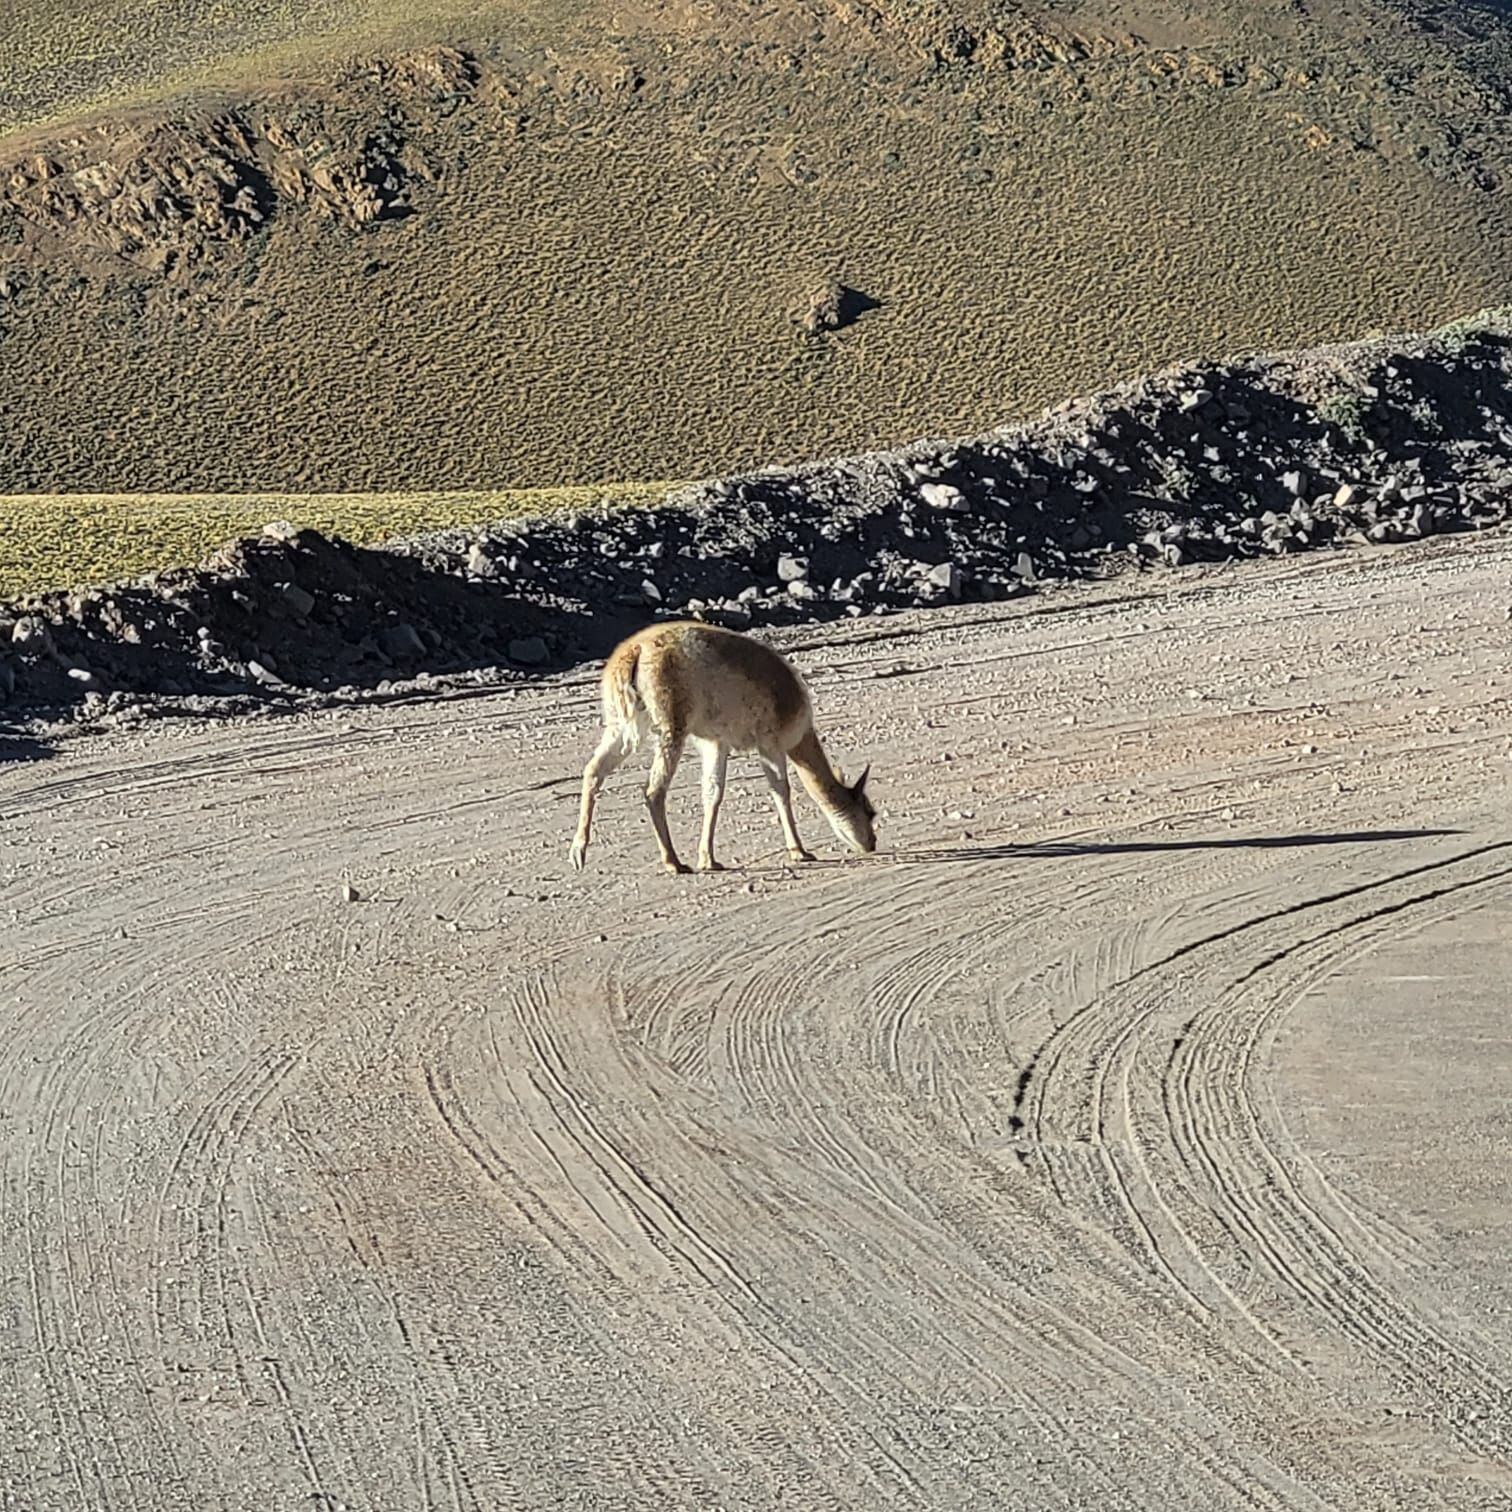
x: 1133, y: 1131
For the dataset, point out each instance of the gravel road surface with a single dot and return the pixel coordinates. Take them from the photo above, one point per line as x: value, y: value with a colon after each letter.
x: 1132, y: 1131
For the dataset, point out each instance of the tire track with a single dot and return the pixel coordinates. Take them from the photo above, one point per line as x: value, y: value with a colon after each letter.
x: 1233, y: 1173
x: 75, y: 1283
x: 691, y: 1278
x: 1308, y: 1217
x: 903, y: 983
x: 444, y: 1464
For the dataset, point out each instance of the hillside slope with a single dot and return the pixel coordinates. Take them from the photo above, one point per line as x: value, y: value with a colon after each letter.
x: 606, y: 241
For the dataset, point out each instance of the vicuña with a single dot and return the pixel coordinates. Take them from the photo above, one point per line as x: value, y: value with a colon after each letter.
x: 725, y: 692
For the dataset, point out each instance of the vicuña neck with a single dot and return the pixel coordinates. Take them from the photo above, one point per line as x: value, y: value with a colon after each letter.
x: 817, y: 774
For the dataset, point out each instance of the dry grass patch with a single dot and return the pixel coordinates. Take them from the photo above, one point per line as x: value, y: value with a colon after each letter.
x: 52, y: 541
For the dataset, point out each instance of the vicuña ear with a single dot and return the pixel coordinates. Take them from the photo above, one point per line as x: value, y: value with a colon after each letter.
x: 859, y: 785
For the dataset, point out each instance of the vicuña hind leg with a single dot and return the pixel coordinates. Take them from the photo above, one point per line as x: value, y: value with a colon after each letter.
x: 663, y: 766
x: 611, y: 752
x: 775, y: 767
x: 716, y: 759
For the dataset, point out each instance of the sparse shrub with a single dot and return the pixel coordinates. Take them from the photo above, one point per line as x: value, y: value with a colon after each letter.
x: 1345, y: 409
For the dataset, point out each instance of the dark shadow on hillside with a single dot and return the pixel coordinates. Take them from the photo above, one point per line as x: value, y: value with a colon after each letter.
x: 314, y: 615
x: 15, y: 747
x: 1458, y: 403
x: 1158, y: 466
x: 851, y: 305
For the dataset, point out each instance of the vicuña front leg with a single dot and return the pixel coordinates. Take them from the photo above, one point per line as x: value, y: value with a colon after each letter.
x: 716, y: 759
x: 663, y: 766
x: 611, y: 752
x: 775, y: 767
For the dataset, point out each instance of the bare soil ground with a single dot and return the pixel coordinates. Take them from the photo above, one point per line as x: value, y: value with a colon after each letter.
x: 1133, y: 1131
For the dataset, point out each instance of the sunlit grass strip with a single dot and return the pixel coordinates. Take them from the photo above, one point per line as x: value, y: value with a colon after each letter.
x: 83, y: 540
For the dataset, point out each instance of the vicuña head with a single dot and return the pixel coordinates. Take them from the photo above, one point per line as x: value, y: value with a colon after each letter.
x: 725, y: 692
x: 854, y: 820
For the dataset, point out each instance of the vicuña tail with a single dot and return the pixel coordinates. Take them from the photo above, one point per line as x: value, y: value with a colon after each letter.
x: 624, y: 709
